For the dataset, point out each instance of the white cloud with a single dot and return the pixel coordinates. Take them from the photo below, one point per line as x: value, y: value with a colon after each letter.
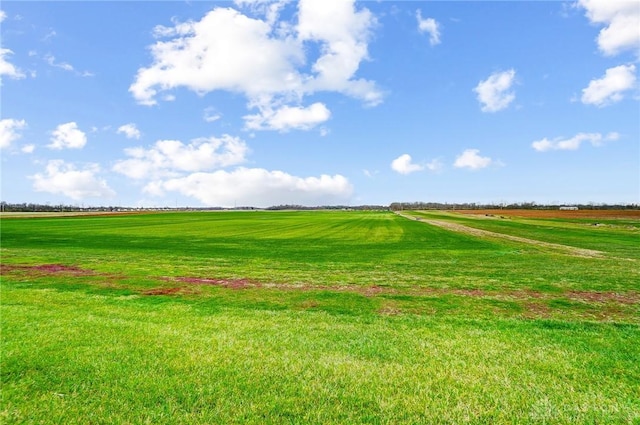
x: 470, y: 158
x: 343, y: 33
x: 610, y: 88
x: 52, y: 33
x: 28, y: 148
x: 210, y: 115
x: 170, y: 157
x: 430, y: 26
x: 51, y: 60
x: 289, y: 117
x: 435, y: 165
x: 67, y: 136
x: 7, y: 68
x: 225, y: 50
x: 64, y: 178
x: 3, y: 15
x: 265, y: 60
x: 129, y: 130
x: 493, y: 93
x: 270, y: 8
x: 621, y: 20
x: 596, y: 139
x: 257, y: 187
x: 403, y: 165
x: 10, y: 131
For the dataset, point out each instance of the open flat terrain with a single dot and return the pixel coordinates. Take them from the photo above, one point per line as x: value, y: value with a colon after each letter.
x: 321, y: 317
x: 557, y: 213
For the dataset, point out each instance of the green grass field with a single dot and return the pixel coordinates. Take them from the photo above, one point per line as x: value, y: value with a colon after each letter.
x: 318, y: 317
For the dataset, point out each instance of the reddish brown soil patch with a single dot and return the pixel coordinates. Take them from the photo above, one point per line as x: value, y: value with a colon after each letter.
x: 163, y: 291
x: 603, y: 297
x: 633, y: 214
x: 371, y: 291
x: 536, y: 310
x: 44, y: 269
x: 470, y: 292
x: 226, y: 283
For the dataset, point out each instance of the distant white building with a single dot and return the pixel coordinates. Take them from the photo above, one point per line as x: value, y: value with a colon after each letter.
x: 569, y: 208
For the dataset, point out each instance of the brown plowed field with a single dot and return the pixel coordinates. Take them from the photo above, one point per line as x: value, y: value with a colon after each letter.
x: 602, y: 214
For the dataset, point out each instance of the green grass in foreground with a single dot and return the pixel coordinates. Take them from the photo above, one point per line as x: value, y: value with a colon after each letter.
x: 336, y: 317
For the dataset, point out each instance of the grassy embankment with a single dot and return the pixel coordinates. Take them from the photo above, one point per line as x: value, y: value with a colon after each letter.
x: 317, y: 317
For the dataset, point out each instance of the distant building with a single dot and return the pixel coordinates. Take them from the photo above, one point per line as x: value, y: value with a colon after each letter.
x: 569, y: 208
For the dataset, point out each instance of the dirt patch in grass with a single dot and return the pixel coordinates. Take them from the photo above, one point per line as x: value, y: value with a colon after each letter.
x: 630, y: 297
x: 225, y: 283
x: 163, y: 291
x: 245, y: 283
x: 469, y: 292
x: 604, y: 297
x: 46, y: 269
x: 536, y: 310
x: 557, y: 213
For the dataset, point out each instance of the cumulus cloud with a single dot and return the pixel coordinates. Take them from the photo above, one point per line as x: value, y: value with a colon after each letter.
x: 288, y: 117
x: 64, y: 178
x: 269, y: 8
x: 67, y: 136
x: 225, y: 50
x: 494, y: 93
x: 7, y: 68
x: 343, y: 34
x: 430, y: 26
x: 3, y: 15
x: 170, y: 157
x: 404, y: 165
x: 610, y: 88
x: 256, y: 187
x: 129, y: 130
x: 596, y: 139
x: 471, y: 159
x: 621, y: 20
x: 10, y: 131
x: 264, y: 59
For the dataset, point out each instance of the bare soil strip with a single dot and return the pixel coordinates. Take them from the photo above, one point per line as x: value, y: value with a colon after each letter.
x: 571, y: 250
x: 42, y: 270
x: 628, y: 297
x: 45, y: 269
x: 556, y: 213
x: 534, y: 302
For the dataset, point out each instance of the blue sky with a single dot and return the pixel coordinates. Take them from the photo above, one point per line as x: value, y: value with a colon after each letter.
x: 261, y: 103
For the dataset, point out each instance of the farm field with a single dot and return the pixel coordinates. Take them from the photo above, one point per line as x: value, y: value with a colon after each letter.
x: 320, y: 317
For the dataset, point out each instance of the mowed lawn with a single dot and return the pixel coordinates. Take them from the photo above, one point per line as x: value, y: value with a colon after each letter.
x: 316, y: 318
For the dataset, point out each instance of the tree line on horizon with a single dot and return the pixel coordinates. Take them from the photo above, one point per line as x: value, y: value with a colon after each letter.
x: 394, y: 206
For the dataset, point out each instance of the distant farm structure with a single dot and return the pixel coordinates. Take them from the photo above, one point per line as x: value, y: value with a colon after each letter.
x: 568, y: 208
